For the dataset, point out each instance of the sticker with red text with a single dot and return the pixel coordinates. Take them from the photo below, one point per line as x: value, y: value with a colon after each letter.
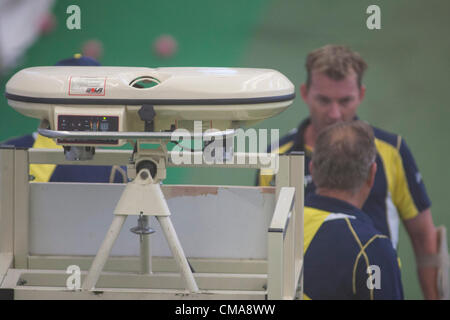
x: 87, y: 86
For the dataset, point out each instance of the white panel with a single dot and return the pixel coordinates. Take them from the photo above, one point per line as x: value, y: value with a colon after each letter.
x: 72, y: 219
x: 393, y: 220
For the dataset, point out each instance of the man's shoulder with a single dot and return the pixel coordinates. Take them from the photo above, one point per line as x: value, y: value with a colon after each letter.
x: 290, y: 136
x: 25, y: 141
x: 285, y: 143
x: 366, y: 231
x: 356, y: 226
x: 390, y: 138
x: 396, y: 144
x: 362, y: 229
x: 338, y: 225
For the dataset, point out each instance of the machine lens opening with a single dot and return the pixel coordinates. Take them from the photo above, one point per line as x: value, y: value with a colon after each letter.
x: 144, y: 83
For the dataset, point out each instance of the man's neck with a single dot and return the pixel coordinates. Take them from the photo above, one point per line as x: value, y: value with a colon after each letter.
x: 310, y: 135
x: 355, y: 199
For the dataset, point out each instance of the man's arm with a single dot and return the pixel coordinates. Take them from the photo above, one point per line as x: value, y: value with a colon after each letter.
x: 420, y: 227
x: 424, y: 240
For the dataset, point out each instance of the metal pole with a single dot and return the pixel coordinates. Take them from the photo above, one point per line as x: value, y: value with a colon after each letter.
x: 103, y: 252
x: 146, y: 257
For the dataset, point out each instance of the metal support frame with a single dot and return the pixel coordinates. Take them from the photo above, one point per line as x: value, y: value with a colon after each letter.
x: 14, y: 193
x: 6, y: 201
x: 103, y: 252
x: 111, y: 236
x: 278, y: 277
x: 21, y: 201
x: 291, y: 174
x: 6, y: 211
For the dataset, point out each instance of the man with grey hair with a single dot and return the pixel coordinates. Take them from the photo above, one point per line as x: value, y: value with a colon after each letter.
x: 345, y: 256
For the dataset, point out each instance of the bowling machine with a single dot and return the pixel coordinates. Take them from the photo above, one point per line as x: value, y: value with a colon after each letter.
x: 224, y: 242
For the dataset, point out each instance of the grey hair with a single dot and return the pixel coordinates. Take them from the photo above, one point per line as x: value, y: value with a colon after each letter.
x: 343, y: 155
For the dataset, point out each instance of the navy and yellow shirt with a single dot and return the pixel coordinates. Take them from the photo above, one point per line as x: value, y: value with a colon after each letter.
x: 61, y: 173
x: 345, y: 257
x: 398, y: 192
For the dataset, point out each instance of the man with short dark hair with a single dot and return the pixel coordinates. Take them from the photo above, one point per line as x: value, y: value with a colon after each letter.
x: 333, y: 91
x: 345, y: 256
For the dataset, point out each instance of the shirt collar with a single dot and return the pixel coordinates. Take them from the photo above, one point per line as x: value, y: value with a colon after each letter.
x: 335, y: 206
x: 299, y: 140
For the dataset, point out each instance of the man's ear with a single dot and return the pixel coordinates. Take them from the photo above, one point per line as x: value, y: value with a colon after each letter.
x: 372, y: 173
x: 303, y: 91
x: 362, y: 92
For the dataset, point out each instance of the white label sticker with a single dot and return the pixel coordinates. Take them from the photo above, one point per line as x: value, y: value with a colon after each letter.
x: 87, y: 86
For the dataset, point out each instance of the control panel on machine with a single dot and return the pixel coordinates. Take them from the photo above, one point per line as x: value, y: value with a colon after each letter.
x: 89, y: 123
